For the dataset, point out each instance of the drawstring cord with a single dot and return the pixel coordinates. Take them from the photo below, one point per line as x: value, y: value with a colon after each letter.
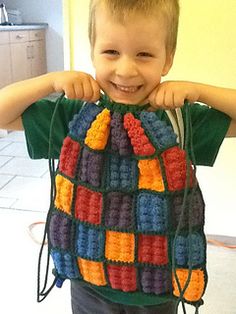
x: 41, y: 293
x: 188, y: 143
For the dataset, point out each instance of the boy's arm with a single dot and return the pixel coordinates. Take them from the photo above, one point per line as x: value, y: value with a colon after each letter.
x: 16, y: 98
x: 222, y: 99
x: 172, y: 94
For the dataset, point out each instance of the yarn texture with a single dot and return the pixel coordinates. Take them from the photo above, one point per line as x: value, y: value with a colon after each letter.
x: 128, y: 212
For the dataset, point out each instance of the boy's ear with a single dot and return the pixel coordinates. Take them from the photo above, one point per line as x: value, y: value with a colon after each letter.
x: 168, y: 64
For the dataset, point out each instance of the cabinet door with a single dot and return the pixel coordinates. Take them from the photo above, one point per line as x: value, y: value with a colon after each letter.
x: 38, y: 61
x: 5, y: 65
x: 21, y: 65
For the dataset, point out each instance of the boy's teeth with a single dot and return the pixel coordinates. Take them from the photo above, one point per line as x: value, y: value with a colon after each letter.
x: 130, y: 89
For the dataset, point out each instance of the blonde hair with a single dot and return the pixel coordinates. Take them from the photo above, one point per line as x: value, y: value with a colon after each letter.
x: 121, y: 9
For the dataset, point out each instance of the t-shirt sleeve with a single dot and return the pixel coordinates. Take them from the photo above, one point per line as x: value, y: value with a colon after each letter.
x: 37, y: 121
x: 209, y: 128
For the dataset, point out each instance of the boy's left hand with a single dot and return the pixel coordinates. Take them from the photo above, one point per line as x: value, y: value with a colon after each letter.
x: 172, y: 94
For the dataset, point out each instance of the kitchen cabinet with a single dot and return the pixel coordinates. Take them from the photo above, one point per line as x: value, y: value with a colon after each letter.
x: 22, y: 55
x: 5, y: 60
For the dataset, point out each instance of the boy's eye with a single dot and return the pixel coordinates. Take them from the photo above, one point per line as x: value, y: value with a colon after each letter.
x: 144, y: 54
x: 111, y: 52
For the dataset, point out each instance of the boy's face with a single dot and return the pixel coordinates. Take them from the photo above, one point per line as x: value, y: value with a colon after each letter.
x: 130, y: 58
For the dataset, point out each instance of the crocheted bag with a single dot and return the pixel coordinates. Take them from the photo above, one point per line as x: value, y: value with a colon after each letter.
x: 127, y: 211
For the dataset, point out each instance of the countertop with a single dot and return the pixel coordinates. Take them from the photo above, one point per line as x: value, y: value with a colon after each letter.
x: 24, y: 26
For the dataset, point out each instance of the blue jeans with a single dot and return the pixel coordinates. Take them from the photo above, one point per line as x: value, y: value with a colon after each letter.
x: 85, y: 302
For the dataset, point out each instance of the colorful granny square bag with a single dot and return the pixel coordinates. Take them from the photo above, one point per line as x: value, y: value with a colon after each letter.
x: 127, y: 212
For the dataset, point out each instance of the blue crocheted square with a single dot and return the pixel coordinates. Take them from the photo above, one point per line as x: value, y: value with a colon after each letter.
x: 161, y: 134
x: 65, y: 264
x: 152, y: 212
x: 122, y: 173
x: 89, y: 242
x: 182, y: 250
x: 81, y: 122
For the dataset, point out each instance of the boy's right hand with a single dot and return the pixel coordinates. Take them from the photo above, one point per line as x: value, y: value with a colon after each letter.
x: 76, y: 85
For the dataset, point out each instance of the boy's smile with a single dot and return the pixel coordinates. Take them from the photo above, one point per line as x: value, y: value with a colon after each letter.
x: 130, y: 57
x: 126, y: 89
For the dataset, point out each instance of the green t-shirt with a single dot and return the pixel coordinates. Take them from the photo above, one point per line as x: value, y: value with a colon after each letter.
x: 209, y: 127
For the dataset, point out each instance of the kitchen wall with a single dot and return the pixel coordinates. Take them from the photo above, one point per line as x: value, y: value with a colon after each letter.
x: 50, y: 12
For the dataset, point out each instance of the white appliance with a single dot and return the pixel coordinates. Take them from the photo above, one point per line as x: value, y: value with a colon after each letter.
x: 3, y: 15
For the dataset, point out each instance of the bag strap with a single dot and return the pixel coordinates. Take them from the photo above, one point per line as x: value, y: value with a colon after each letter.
x: 176, y: 118
x: 42, y: 292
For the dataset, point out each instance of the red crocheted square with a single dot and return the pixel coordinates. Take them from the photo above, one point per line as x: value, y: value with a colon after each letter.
x: 122, y: 277
x: 69, y: 157
x: 152, y: 249
x: 88, y: 205
x: 176, y: 166
x: 139, y: 140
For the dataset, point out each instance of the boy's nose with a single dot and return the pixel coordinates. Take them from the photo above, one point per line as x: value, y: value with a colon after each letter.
x: 126, y: 67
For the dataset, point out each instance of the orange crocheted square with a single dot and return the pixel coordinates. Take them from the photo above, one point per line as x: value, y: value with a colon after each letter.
x: 150, y: 176
x: 92, y: 272
x: 152, y: 249
x: 64, y: 193
x: 196, y: 286
x: 97, y: 135
x: 120, y: 246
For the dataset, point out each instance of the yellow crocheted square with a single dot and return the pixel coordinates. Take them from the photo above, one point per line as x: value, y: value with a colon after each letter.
x: 120, y: 246
x: 64, y: 193
x: 196, y: 285
x: 150, y: 176
x: 92, y: 272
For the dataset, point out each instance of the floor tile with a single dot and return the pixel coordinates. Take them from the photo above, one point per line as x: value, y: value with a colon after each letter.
x: 30, y: 193
x: 15, y: 149
x: 4, y: 160
x: 6, y: 202
x: 3, y: 144
x: 16, y: 136
x: 25, y: 167
x: 4, y: 179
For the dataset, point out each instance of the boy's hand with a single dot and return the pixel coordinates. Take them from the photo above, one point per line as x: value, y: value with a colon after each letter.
x: 76, y: 84
x: 172, y: 94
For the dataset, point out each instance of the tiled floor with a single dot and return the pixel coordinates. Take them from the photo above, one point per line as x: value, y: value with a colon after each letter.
x: 24, y: 197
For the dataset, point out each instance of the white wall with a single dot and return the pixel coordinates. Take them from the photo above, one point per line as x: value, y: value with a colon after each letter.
x: 50, y: 12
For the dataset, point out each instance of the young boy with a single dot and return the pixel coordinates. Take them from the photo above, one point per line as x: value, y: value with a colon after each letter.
x: 132, y: 46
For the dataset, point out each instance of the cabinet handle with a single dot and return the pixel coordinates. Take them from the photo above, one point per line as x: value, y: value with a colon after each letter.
x: 29, y: 52
x: 19, y: 36
x: 32, y: 52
